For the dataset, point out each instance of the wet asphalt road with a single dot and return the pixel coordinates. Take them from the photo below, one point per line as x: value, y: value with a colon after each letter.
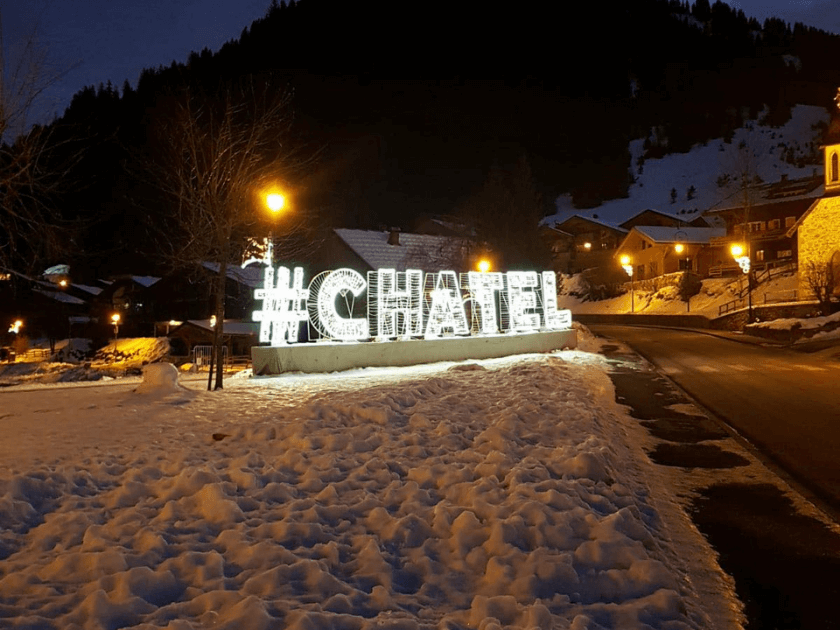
x: 784, y: 563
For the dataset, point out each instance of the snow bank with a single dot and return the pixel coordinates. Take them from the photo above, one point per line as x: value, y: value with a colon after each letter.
x: 499, y: 495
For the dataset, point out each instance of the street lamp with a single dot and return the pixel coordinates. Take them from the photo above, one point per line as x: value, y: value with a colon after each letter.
x: 679, y: 248
x: 627, y: 264
x: 274, y: 202
x: 743, y: 260
x: 16, y: 326
x: 115, y: 320
x: 483, y: 265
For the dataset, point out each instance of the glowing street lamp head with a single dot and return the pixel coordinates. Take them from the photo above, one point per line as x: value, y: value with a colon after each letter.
x: 737, y: 251
x: 275, y: 202
x: 679, y: 248
x: 16, y: 326
x: 484, y: 265
x: 115, y: 318
x: 625, y: 260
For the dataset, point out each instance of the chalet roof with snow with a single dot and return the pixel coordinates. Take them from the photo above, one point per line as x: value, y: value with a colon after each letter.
x: 802, y: 189
x: 231, y: 327
x: 665, y: 234
x: 401, y: 251
x: 251, y: 276
x: 575, y: 222
x: 651, y: 216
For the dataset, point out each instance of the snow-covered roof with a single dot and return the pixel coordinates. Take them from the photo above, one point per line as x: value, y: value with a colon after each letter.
x: 145, y: 281
x: 60, y: 296
x: 595, y: 221
x: 230, y: 328
x: 87, y: 288
x: 782, y: 191
x: 251, y: 276
x: 415, y: 251
x: 666, y: 234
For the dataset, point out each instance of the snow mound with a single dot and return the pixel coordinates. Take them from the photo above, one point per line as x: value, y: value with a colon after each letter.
x: 159, y: 378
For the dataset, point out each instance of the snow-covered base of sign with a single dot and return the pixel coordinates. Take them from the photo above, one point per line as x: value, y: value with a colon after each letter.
x: 338, y: 356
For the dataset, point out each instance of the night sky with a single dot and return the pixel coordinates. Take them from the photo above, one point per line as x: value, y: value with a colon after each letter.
x: 95, y: 41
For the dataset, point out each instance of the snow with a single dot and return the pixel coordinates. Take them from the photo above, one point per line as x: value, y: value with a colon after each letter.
x: 702, y: 166
x: 715, y: 292
x: 506, y: 493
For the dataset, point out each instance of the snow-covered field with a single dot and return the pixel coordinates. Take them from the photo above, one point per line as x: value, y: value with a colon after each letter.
x: 508, y: 493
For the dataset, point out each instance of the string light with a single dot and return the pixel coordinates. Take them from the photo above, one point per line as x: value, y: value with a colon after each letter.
x: 397, y: 302
x: 446, y: 308
x: 522, y: 301
x: 328, y: 287
x: 284, y: 306
x: 484, y: 288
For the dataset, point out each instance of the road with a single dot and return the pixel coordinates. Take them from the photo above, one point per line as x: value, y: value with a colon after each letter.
x: 785, y: 403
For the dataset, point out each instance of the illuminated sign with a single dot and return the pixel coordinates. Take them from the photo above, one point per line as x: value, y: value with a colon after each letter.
x: 406, y: 304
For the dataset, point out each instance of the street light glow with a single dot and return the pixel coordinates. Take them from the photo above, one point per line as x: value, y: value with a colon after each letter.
x: 16, y: 326
x: 625, y: 260
x: 484, y: 266
x: 737, y: 251
x: 115, y: 318
x: 275, y: 202
x: 679, y: 248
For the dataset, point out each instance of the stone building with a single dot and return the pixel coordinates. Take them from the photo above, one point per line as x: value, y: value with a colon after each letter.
x: 817, y: 231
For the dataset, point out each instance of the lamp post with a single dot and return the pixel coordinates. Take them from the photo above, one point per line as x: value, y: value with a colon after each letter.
x: 743, y: 260
x: 115, y: 320
x: 627, y: 264
x: 274, y: 202
x: 679, y: 248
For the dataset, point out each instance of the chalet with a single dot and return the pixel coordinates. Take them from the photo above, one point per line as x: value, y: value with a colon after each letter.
x: 188, y: 296
x: 580, y: 243
x: 763, y: 225
x: 657, y: 250
x: 238, y: 337
x: 652, y: 217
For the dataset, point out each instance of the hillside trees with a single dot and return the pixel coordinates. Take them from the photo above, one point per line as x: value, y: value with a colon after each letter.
x: 505, y: 214
x: 213, y: 156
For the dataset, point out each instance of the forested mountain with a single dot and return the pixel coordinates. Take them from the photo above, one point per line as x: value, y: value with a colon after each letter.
x: 396, y: 116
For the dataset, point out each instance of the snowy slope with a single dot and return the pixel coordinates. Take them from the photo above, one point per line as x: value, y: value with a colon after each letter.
x: 702, y: 167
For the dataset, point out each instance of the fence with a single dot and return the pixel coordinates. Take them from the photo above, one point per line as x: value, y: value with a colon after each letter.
x: 202, y: 355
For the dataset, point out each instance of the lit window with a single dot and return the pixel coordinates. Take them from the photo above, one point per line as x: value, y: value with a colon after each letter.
x: 774, y: 224
x: 759, y: 255
x: 784, y: 253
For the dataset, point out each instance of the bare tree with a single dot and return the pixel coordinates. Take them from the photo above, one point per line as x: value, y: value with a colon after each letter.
x: 34, y: 163
x: 218, y: 152
x: 822, y: 281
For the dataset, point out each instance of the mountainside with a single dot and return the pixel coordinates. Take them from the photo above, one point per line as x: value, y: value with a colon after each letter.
x: 709, y: 170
